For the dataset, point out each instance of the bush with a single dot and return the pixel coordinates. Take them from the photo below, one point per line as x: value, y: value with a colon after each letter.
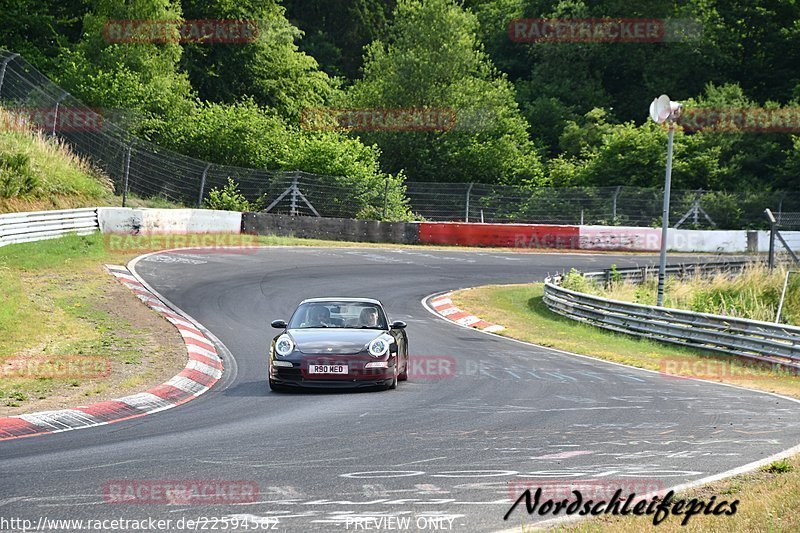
x: 229, y: 198
x: 16, y: 176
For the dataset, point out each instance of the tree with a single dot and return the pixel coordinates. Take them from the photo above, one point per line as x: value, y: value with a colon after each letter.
x: 142, y: 77
x: 271, y: 69
x: 431, y: 59
x: 337, y: 30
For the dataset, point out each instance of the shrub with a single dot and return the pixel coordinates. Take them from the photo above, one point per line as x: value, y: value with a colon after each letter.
x: 229, y: 198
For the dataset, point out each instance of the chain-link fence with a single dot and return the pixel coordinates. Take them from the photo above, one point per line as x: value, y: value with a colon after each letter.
x: 784, y: 237
x: 143, y: 169
x: 631, y: 206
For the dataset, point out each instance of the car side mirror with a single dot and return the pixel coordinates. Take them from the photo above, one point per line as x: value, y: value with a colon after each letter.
x: 278, y: 324
x: 398, y: 324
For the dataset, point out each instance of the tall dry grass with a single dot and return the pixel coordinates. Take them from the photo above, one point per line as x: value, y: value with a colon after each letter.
x: 753, y: 294
x: 40, y: 171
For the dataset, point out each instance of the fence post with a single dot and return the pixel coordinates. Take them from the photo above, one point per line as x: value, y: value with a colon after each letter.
x: 385, y: 198
x: 466, y: 211
x: 203, y: 185
x: 127, y: 173
x: 6, y: 61
x: 55, y: 116
x: 697, y: 195
x: 293, y: 208
x: 772, y: 226
x: 614, y: 204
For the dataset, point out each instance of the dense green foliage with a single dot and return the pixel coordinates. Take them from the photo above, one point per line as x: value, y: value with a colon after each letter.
x: 542, y: 113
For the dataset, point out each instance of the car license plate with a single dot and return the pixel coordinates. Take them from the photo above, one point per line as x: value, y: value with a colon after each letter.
x: 327, y: 369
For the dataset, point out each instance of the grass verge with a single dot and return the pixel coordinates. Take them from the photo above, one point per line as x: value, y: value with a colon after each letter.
x: 768, y: 497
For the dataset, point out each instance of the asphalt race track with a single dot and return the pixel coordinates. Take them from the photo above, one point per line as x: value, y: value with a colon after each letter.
x: 442, y: 450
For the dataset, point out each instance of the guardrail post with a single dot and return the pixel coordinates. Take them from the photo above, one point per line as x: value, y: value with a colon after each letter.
x: 202, y: 185
x: 127, y: 173
x: 6, y: 61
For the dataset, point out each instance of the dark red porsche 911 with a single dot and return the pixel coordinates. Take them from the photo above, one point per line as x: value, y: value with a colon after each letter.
x: 338, y: 343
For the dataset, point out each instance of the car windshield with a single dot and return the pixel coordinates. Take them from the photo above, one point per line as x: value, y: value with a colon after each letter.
x: 352, y: 315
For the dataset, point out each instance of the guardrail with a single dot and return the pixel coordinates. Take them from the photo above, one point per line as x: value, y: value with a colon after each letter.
x: 40, y: 225
x: 763, y: 341
x: 640, y: 274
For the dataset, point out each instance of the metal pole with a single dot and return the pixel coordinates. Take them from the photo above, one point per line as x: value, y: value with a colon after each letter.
x: 772, y: 230
x: 783, y: 295
x: 614, y: 204
x: 662, y: 263
x: 55, y: 117
x: 466, y: 211
x: 203, y: 185
x: 127, y: 173
x: 385, y: 198
x: 293, y: 208
x: 6, y: 61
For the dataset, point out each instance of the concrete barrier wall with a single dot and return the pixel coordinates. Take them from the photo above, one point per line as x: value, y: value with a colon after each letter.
x: 523, y: 236
x: 505, y: 235
x: 620, y: 238
x: 167, y: 221
x: 339, y: 229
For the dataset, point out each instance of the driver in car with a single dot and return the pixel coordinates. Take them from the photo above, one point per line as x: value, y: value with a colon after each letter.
x: 369, y: 317
x: 319, y: 316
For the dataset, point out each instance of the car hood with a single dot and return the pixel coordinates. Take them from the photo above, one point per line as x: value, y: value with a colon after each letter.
x: 333, y: 340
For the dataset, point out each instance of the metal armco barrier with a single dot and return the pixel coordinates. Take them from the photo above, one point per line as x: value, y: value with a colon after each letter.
x: 40, y: 225
x: 763, y: 341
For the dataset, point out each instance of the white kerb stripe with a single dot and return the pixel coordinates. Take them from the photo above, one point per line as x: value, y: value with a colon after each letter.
x: 191, y: 348
x: 59, y: 420
x: 187, y: 385
x: 468, y: 320
x: 146, y: 401
x: 204, y: 368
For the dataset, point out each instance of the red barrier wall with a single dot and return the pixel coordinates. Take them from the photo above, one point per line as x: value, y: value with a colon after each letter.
x: 509, y: 235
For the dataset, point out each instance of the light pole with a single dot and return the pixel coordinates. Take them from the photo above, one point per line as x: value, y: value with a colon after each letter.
x: 662, y: 109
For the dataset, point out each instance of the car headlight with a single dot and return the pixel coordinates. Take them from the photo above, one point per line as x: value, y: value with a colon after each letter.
x: 284, y: 345
x: 379, y: 347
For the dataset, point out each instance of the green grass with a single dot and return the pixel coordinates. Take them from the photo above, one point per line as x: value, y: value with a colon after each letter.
x: 38, y: 172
